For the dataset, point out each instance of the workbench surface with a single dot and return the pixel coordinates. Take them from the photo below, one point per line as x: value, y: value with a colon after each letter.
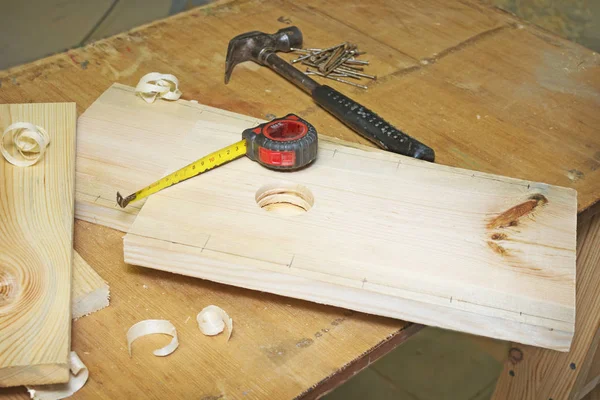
x: 487, y: 91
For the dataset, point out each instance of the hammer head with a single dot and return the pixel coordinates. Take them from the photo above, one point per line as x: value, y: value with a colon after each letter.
x: 255, y: 46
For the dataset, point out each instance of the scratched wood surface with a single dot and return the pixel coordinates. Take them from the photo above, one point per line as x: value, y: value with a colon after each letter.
x: 486, y: 90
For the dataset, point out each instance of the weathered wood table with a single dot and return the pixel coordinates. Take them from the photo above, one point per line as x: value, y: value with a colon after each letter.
x: 487, y: 91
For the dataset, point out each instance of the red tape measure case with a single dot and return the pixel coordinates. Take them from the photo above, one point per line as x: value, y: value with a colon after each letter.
x: 286, y: 143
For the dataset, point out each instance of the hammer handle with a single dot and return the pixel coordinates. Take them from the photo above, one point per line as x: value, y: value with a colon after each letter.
x: 370, y: 125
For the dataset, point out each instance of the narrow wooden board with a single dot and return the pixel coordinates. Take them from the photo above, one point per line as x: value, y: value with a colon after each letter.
x: 90, y: 292
x: 387, y: 235
x: 36, y: 251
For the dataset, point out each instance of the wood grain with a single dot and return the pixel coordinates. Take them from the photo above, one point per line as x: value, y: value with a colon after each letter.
x: 36, y: 251
x: 540, y: 374
x: 111, y: 156
x: 369, y: 207
x: 443, y: 63
x: 90, y: 292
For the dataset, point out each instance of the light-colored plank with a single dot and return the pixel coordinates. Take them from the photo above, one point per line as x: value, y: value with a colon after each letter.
x: 541, y: 374
x: 90, y: 292
x: 496, y: 257
x: 36, y: 251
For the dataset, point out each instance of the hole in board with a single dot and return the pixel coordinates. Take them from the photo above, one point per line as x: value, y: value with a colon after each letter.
x: 285, y: 198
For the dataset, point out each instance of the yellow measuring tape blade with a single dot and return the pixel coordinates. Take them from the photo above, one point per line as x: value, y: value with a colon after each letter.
x: 204, y: 164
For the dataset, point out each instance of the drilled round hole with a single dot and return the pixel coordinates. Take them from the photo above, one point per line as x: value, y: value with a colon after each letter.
x: 285, y: 198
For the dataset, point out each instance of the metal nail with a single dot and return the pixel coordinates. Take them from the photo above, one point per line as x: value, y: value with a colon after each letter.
x: 331, y: 66
x: 335, y: 78
x: 359, y: 62
x: 304, y: 57
x: 340, y: 68
x: 332, y: 59
x: 352, y: 67
x: 347, y: 82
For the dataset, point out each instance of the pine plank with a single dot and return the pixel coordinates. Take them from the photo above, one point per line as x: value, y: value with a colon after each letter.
x: 36, y: 251
x: 179, y: 132
x: 90, y: 292
x: 378, y: 239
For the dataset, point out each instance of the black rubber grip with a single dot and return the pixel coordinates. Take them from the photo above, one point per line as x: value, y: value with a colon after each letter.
x: 370, y: 125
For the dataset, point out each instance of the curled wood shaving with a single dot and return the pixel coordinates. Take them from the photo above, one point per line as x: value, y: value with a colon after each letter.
x: 155, y: 84
x: 27, y: 143
x: 78, y: 378
x: 212, y: 321
x: 150, y: 327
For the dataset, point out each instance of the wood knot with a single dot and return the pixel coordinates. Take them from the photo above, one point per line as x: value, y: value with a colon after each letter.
x: 497, y: 248
x: 9, y: 289
x: 511, y: 216
x: 515, y: 355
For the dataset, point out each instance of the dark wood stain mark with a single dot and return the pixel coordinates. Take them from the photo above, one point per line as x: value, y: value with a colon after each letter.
x: 511, y: 216
x: 515, y: 355
x: 499, y: 236
x: 284, y: 20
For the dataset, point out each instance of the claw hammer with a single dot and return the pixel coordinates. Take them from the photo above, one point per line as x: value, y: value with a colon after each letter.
x: 262, y: 47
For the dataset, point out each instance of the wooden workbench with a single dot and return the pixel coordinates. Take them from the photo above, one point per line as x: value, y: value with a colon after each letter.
x: 484, y: 89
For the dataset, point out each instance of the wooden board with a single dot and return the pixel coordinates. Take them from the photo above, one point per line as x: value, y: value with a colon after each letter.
x: 496, y: 257
x: 517, y: 78
x: 36, y: 251
x: 90, y: 292
x: 179, y: 132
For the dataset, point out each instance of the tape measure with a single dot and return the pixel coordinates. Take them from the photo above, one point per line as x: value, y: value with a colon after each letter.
x: 285, y: 144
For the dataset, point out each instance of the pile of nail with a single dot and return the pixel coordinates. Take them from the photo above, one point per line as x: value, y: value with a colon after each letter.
x: 336, y: 63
